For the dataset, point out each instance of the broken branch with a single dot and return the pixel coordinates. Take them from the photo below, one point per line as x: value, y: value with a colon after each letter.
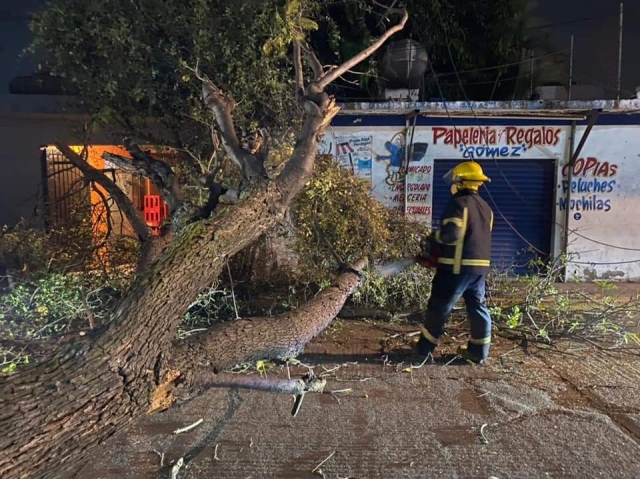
x: 297, y: 64
x: 222, y: 105
x: 285, y: 386
x: 333, y: 75
x: 188, y: 428
x: 314, y: 63
x: 159, y: 172
x: 125, y: 205
x: 252, y: 339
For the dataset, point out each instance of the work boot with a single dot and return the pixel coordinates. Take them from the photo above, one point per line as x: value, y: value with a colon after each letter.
x: 467, y: 356
x: 423, y: 355
x: 422, y: 347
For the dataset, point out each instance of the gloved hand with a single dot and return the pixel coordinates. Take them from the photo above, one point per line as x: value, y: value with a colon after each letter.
x: 429, y: 252
x: 427, y: 246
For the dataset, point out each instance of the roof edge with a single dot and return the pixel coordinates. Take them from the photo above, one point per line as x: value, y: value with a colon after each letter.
x: 488, y: 108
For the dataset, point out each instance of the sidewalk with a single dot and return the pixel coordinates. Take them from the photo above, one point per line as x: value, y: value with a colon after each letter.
x: 616, y: 290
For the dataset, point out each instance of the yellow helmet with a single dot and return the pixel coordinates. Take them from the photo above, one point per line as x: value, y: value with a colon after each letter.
x: 468, y: 174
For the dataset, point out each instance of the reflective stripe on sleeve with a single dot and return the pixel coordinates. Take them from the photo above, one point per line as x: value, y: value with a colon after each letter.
x: 459, y: 222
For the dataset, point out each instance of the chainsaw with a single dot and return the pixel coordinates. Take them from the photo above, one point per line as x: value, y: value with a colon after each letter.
x: 428, y: 258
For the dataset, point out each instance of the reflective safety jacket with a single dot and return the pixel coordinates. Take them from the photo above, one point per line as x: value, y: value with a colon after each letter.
x: 465, y: 234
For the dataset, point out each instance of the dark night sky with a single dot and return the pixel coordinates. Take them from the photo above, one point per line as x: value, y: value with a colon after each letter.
x: 596, y: 41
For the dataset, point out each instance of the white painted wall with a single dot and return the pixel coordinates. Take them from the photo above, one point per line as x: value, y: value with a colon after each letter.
x: 611, y: 215
x: 604, y: 220
x: 381, y: 160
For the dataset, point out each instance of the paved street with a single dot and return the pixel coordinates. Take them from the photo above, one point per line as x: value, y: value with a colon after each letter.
x: 526, y: 414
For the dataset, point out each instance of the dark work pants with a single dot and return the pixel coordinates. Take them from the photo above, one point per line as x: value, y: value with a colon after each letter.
x: 446, y: 290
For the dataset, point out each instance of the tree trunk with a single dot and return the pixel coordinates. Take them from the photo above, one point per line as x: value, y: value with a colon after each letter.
x: 55, y: 412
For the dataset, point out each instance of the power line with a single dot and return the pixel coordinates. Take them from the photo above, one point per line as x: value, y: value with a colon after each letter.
x: 490, y: 81
x: 570, y: 22
x: 496, y: 67
x: 464, y: 93
x: 461, y: 85
x: 608, y: 263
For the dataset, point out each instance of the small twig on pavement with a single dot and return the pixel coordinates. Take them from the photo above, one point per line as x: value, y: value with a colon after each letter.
x: 421, y: 364
x: 360, y: 380
x: 508, y: 352
x: 176, y: 468
x: 188, y: 428
x: 406, y: 335
x: 483, y: 438
x: 215, y: 453
x: 318, y: 466
x: 342, y: 391
x: 329, y: 371
x: 161, y: 456
x: 452, y: 360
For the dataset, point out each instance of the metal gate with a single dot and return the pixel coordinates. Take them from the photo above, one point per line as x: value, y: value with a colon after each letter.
x: 64, y: 188
x: 521, y: 195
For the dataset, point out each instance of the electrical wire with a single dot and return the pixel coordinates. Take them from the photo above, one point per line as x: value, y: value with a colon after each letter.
x: 608, y: 263
x: 491, y: 81
x: 499, y: 67
x: 570, y: 22
x: 624, y: 248
x: 444, y: 102
x: 453, y: 65
x: 461, y: 85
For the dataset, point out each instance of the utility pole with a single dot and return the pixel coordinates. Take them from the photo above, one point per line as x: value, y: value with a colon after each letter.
x: 531, y: 74
x: 620, y: 50
x: 571, y: 69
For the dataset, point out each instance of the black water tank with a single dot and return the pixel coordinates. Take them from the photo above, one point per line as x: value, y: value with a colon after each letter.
x: 404, y: 63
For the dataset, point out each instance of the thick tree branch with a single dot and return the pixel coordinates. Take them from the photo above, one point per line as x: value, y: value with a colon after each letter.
x: 288, y: 333
x: 287, y: 386
x: 299, y: 169
x: 314, y: 63
x: 216, y: 191
x: 159, y: 172
x: 222, y: 106
x: 125, y: 205
x: 333, y: 75
x: 297, y: 65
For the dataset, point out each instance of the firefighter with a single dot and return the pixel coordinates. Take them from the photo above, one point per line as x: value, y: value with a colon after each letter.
x: 463, y: 243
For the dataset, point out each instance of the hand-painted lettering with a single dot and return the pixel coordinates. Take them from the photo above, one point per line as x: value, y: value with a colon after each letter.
x: 589, y: 186
x: 591, y: 178
x: 591, y: 167
x: 528, y: 137
x: 586, y: 203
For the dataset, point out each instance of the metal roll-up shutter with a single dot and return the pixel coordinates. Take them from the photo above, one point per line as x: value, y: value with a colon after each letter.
x: 522, y: 218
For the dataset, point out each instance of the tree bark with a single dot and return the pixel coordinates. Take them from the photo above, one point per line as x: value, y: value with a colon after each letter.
x: 53, y: 414
x: 159, y: 172
x: 281, y: 337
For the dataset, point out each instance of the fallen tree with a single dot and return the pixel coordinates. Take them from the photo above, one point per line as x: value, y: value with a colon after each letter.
x: 56, y: 412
